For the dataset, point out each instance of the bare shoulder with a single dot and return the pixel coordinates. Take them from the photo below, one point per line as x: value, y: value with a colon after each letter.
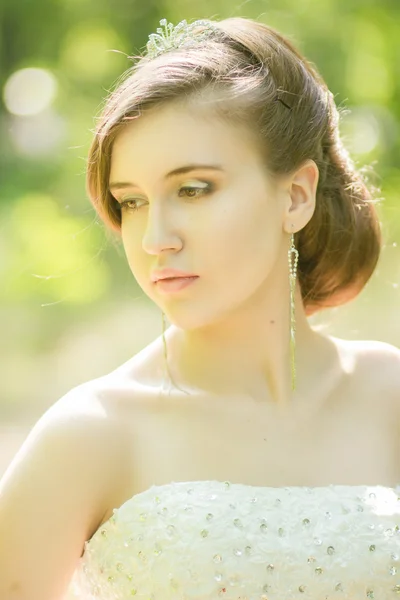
x: 382, y: 357
x: 84, y: 408
x: 54, y: 493
x: 375, y: 363
x: 88, y: 421
x: 89, y: 408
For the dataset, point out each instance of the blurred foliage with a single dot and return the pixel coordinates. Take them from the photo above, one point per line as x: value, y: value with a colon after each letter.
x: 58, y: 59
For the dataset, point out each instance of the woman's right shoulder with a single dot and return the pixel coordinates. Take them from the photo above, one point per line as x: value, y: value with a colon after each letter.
x: 54, y: 492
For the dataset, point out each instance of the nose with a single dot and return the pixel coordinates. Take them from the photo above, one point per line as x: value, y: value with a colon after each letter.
x: 159, y: 234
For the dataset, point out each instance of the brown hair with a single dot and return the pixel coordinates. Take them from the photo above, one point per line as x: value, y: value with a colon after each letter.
x: 263, y: 81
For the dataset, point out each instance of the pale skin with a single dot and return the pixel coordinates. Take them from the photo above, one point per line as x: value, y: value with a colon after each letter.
x: 228, y: 345
x: 230, y: 330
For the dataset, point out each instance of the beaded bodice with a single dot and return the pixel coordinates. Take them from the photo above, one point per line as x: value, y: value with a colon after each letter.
x: 212, y: 539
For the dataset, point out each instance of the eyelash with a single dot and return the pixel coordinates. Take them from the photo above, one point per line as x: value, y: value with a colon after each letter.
x: 206, y: 191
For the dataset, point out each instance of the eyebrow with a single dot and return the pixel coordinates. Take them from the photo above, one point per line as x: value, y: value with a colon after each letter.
x: 120, y: 185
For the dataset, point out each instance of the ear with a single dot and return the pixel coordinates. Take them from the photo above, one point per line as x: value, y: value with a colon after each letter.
x: 301, y: 191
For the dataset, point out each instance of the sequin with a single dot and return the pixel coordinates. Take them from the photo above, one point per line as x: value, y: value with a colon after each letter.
x: 264, y: 526
x: 171, y: 530
x: 317, y: 541
x: 157, y: 550
x: 217, y: 558
x: 389, y: 532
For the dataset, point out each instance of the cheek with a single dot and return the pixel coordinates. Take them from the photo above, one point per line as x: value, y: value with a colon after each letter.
x: 245, y: 233
x: 133, y: 249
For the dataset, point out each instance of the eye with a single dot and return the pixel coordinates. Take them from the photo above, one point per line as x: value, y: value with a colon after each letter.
x: 128, y: 205
x: 187, y: 191
x: 195, y: 191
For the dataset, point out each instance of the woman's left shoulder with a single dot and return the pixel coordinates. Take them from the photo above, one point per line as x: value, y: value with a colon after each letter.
x: 379, y: 364
x: 376, y: 362
x: 378, y: 349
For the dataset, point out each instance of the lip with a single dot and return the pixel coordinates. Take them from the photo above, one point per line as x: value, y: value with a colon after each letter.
x: 158, y: 274
x: 175, y: 285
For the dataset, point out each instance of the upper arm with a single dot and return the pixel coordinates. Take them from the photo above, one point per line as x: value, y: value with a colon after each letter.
x: 52, y: 495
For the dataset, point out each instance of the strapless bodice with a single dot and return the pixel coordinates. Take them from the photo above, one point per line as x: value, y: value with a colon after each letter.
x: 212, y: 540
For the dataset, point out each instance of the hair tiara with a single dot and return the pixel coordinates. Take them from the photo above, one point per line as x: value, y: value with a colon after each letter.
x: 169, y: 37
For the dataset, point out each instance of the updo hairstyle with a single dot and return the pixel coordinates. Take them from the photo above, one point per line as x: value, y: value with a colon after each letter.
x: 254, y: 76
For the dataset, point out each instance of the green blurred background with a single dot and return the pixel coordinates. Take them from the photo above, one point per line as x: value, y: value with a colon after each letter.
x: 71, y: 309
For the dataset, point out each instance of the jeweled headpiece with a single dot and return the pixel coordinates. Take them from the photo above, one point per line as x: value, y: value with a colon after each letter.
x: 183, y: 34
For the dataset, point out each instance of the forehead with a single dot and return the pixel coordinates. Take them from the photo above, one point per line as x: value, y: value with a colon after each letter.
x: 171, y: 136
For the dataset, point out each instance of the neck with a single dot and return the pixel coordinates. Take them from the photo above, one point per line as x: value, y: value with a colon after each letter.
x: 248, y: 352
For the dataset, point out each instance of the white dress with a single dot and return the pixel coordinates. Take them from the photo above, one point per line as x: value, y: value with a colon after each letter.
x: 213, y: 539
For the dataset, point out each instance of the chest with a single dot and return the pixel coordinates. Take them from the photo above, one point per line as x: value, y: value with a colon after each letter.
x: 341, y: 441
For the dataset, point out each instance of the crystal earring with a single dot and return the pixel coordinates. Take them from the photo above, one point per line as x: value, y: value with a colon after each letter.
x: 166, y: 368
x: 293, y: 258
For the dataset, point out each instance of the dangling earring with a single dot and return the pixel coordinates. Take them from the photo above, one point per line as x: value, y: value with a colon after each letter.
x: 166, y: 368
x: 293, y: 260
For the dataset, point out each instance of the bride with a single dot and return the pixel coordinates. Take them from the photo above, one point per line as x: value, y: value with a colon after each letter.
x: 218, y: 161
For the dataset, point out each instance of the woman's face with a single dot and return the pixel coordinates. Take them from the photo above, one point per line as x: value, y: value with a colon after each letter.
x: 220, y: 218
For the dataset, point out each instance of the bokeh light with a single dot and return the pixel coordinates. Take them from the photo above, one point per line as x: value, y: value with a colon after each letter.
x: 29, y: 91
